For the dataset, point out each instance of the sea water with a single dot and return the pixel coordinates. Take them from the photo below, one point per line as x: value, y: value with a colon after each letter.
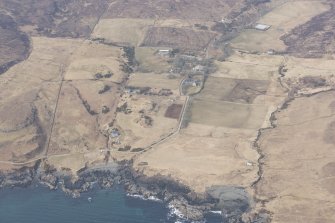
x: 38, y: 204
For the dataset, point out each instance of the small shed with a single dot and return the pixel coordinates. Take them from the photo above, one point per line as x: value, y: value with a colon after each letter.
x: 271, y: 52
x: 262, y: 27
x: 164, y: 52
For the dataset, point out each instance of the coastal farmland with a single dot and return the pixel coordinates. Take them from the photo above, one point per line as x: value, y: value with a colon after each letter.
x: 141, y: 112
x: 219, y: 123
x: 217, y: 105
x: 87, y: 105
x: 27, y: 113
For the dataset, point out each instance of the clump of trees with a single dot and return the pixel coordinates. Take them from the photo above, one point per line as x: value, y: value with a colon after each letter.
x: 104, y: 89
x: 124, y: 108
x: 105, y: 109
x: 135, y: 150
x: 103, y: 75
x: 200, y: 26
x: 125, y: 148
x: 148, y: 120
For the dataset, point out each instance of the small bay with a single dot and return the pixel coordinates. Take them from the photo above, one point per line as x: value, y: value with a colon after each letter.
x: 40, y: 205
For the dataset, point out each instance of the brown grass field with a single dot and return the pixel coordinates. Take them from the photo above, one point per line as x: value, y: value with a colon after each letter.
x: 298, y: 179
x: 282, y: 20
x: 233, y: 90
x: 91, y: 59
x: 158, y: 81
x: 150, y: 61
x: 227, y: 114
x: 123, y: 31
x: 26, y: 113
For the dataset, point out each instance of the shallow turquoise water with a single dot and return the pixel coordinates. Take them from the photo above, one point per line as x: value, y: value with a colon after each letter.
x: 39, y: 205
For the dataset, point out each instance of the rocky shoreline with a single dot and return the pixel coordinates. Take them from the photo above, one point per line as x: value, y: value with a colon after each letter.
x: 232, y: 203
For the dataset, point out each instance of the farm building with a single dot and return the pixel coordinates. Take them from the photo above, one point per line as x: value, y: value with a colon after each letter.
x: 164, y: 52
x: 192, y: 82
x: 262, y: 27
x: 115, y: 133
x: 199, y: 68
x: 132, y: 90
